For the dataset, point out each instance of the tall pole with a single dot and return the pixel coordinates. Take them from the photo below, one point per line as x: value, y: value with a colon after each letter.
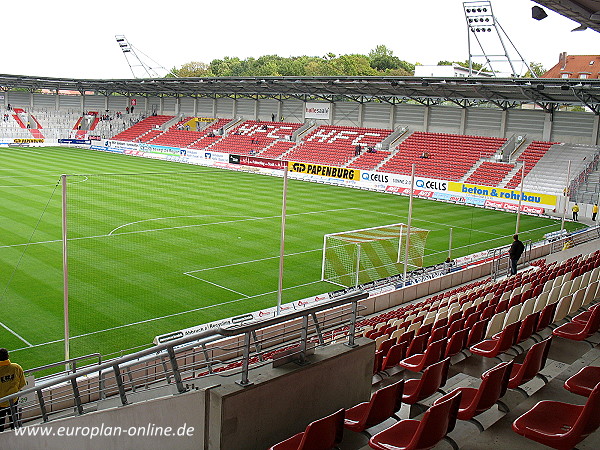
x: 400, y: 244
x: 566, y: 197
x: 520, y: 199
x: 63, y: 179
x: 282, y: 241
x: 450, y: 244
x: 410, y: 205
x: 357, y: 278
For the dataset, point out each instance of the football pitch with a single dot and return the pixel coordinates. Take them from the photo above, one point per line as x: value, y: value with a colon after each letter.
x: 158, y: 246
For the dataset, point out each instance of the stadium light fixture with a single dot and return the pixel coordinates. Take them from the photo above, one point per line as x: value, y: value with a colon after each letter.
x: 497, y: 49
x: 538, y: 13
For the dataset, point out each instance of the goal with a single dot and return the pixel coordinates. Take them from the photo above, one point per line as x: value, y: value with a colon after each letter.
x: 355, y: 257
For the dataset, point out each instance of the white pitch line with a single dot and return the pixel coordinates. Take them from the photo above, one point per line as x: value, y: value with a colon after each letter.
x: 154, y: 319
x: 247, y: 218
x: 219, y: 286
x: 251, y: 261
x: 15, y: 334
x: 167, y: 228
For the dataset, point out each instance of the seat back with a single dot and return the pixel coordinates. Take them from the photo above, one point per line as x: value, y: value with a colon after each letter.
x: 477, y: 332
x: 589, y: 419
x: 456, y: 342
x: 438, y: 333
x: 512, y: 315
x: 577, y: 301
x: 384, y: 403
x: 527, y: 308
x: 590, y: 293
x: 527, y: 327
x: 541, y: 301
x: 324, y: 433
x: 417, y: 345
x: 554, y: 295
x: 546, y: 316
x: 495, y: 324
x: 434, y: 352
x: 562, y: 309
x: 507, y: 337
x: 394, y: 355
x: 593, y: 323
x: 434, y: 377
x: 385, y: 345
x: 493, y: 386
x: 437, y: 422
x: 534, y: 362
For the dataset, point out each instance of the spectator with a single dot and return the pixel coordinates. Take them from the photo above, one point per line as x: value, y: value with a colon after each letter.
x: 12, y: 381
x: 575, y: 210
x: 273, y: 117
x: 594, y: 211
x: 516, y: 250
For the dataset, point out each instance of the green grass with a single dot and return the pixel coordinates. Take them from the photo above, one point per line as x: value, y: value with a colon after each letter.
x: 158, y: 246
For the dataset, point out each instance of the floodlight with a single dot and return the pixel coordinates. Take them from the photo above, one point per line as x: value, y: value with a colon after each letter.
x: 538, y: 13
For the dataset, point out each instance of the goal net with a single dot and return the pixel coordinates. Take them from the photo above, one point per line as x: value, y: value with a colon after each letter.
x: 355, y: 257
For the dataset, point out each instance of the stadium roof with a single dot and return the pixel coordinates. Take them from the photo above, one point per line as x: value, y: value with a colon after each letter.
x: 584, y: 12
x: 463, y: 91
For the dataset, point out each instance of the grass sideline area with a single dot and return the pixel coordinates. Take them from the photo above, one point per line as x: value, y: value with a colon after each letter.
x: 159, y: 246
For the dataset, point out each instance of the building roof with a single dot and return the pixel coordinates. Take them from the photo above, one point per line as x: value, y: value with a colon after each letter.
x: 573, y: 66
x: 462, y: 91
x: 584, y: 12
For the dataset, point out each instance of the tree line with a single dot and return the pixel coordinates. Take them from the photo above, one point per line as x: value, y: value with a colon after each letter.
x: 380, y: 61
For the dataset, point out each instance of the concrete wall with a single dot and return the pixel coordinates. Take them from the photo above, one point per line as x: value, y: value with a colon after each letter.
x: 284, y: 400
x: 183, y: 413
x: 280, y: 403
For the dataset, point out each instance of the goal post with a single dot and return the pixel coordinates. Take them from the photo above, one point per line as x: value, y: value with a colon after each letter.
x: 355, y: 257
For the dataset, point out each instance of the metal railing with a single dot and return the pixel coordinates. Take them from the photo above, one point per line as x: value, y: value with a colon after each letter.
x: 500, y: 260
x: 220, y: 352
x: 567, y: 240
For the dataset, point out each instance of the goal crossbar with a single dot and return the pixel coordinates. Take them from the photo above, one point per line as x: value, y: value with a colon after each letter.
x: 357, y: 256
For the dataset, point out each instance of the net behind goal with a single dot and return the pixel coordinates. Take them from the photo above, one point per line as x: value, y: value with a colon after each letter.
x: 355, y: 257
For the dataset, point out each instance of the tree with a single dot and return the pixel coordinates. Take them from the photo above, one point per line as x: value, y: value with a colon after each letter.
x: 382, y: 58
x: 537, y: 69
x: 193, y: 69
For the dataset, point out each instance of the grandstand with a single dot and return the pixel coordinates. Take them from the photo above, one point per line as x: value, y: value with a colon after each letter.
x: 248, y: 382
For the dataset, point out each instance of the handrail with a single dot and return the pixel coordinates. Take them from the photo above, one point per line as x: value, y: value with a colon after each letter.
x: 169, y: 349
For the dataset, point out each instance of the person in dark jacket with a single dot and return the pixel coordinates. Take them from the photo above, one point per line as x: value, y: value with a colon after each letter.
x: 515, y: 252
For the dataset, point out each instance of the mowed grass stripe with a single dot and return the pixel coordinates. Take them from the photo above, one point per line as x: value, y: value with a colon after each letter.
x: 139, y: 273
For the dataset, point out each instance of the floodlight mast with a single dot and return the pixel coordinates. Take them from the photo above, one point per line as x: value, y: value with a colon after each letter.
x: 486, y: 30
x: 140, y: 65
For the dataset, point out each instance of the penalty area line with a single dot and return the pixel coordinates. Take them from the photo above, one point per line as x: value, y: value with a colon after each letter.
x: 155, y: 319
x: 14, y: 333
x: 218, y: 285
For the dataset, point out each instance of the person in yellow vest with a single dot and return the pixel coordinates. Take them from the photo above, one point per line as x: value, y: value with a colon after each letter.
x: 594, y: 211
x: 575, y: 210
x: 12, y: 381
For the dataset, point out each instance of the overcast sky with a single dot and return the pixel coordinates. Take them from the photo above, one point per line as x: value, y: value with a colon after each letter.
x: 76, y: 39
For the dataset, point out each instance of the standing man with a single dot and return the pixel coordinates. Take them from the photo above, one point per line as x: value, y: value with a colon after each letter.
x: 12, y: 381
x: 594, y: 211
x: 515, y: 252
x: 575, y: 210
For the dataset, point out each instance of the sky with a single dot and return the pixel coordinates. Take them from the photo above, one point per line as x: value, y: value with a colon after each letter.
x: 75, y: 39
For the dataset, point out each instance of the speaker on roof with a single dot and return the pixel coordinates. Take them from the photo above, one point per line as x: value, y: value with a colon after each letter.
x: 538, y: 13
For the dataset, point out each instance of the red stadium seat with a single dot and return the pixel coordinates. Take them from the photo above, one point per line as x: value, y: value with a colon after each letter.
x: 383, y: 404
x: 408, y: 434
x: 322, y: 434
x: 584, y: 381
x: 474, y: 401
x: 534, y: 361
x: 560, y: 425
